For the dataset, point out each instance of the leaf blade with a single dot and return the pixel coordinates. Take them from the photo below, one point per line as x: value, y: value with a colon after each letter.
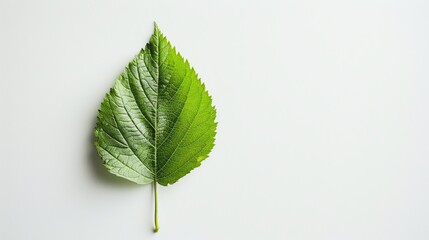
x: 157, y: 123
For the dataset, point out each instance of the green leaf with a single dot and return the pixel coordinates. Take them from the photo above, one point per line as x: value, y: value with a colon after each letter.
x: 157, y: 123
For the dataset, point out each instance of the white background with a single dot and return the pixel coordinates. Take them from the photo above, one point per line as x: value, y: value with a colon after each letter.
x: 322, y: 109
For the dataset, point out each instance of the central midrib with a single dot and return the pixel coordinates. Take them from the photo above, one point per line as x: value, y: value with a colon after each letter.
x: 156, y: 107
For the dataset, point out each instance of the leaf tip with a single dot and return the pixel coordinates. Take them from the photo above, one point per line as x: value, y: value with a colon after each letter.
x: 155, y: 27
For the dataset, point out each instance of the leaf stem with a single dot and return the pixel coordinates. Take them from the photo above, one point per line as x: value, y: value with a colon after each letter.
x: 156, y: 207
